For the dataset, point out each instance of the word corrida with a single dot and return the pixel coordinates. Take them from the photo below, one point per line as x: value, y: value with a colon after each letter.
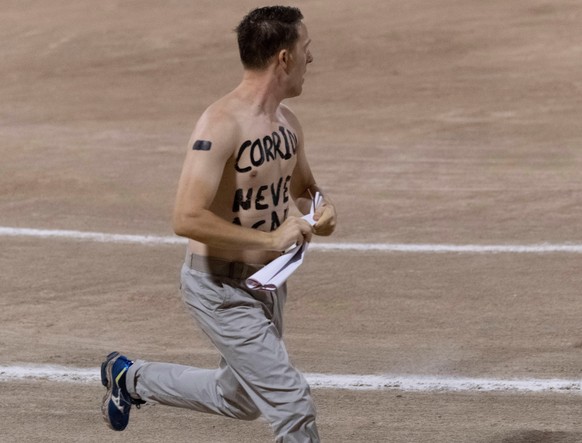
x: 282, y: 144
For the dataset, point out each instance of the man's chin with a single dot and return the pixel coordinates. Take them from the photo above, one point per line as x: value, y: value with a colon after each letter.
x: 296, y: 92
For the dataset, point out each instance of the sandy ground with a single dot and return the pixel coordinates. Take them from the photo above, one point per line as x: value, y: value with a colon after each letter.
x: 441, y: 121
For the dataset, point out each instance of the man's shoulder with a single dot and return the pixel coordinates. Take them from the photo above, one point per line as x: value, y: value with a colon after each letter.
x: 287, y: 111
x: 289, y: 116
x: 221, y: 111
x: 219, y: 118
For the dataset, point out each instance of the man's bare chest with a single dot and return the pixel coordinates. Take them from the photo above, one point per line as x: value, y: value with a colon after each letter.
x: 273, y: 148
x: 262, y: 167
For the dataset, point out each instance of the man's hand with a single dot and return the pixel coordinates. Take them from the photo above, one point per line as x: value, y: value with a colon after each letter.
x: 325, y: 217
x: 293, y: 231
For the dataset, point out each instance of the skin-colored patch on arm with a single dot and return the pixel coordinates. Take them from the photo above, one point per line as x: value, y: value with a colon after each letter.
x: 201, y: 145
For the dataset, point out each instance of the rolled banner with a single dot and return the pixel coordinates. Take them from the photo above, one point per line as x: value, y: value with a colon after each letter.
x: 273, y: 275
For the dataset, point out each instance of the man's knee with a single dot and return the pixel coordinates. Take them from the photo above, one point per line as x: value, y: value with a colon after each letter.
x: 249, y: 415
x: 240, y: 404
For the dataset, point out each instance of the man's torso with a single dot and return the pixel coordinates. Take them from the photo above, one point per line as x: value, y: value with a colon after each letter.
x: 255, y: 190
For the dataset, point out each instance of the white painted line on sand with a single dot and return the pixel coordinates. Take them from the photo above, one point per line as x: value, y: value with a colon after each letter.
x: 99, y: 237
x: 406, y: 383
x: 540, y: 248
x: 411, y: 383
x: 49, y: 372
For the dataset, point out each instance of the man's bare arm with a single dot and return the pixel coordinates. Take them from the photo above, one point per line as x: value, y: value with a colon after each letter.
x: 304, y: 188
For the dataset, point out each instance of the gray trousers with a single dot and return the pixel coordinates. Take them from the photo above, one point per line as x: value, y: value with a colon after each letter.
x: 255, y: 376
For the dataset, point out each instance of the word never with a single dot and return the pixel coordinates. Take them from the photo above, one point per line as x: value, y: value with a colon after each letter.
x: 279, y: 192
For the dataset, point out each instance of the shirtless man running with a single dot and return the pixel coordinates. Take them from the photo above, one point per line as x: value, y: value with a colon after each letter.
x: 245, y: 163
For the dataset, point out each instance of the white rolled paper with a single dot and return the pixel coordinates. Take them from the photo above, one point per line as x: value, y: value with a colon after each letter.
x: 273, y: 275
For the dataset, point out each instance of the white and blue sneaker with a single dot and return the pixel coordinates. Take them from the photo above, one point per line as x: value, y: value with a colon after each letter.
x: 117, y: 401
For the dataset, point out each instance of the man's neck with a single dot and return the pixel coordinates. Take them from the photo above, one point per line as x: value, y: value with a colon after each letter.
x: 262, y: 90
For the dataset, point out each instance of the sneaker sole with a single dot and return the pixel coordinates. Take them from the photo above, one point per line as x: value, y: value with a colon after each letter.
x: 104, y: 364
x: 106, y: 378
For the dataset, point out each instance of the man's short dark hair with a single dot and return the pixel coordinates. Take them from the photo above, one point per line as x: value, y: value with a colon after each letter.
x: 263, y: 32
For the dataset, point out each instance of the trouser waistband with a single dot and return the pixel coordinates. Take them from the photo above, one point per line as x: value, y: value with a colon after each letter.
x: 220, y: 267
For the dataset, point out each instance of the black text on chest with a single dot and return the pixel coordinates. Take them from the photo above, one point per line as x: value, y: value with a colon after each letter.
x: 277, y: 145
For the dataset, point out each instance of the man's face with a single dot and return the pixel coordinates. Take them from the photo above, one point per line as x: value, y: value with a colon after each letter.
x: 300, y: 58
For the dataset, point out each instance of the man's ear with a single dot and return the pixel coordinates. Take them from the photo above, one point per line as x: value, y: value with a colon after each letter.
x: 284, y: 58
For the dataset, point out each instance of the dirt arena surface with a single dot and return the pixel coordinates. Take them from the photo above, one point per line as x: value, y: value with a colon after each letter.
x: 435, y: 121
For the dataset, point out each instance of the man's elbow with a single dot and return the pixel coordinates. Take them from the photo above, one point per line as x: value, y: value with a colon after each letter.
x: 180, y: 225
